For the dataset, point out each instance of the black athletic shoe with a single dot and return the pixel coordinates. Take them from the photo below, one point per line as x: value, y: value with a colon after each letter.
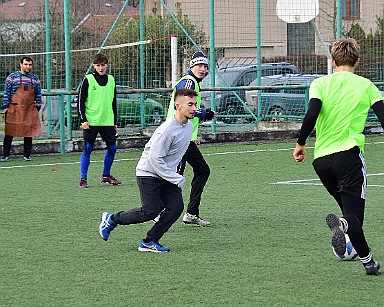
x: 338, y: 236
x: 372, y: 268
x: 83, y: 183
x: 109, y: 179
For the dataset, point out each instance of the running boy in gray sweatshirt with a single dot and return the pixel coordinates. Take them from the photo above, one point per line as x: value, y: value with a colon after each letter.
x: 159, y: 183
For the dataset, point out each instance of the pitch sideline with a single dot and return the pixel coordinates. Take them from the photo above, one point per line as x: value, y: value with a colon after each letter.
x: 205, y: 154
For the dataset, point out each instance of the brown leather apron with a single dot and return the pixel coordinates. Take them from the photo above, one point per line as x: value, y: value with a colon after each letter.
x: 22, y: 118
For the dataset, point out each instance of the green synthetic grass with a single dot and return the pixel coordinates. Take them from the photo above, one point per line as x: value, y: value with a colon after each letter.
x: 268, y: 244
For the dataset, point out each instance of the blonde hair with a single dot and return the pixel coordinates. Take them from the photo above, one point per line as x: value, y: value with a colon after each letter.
x: 345, y: 51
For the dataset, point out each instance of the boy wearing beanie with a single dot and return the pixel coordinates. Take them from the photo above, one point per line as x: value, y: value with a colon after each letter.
x: 196, y: 73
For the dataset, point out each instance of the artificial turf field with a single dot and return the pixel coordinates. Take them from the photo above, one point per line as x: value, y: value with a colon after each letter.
x: 268, y: 244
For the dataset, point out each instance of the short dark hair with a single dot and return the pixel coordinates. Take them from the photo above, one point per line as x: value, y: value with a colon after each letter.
x: 26, y: 58
x: 100, y: 58
x: 345, y: 51
x: 185, y: 92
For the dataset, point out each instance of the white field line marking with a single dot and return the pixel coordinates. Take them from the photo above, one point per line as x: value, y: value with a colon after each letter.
x: 301, y: 181
x: 136, y: 159
x: 60, y: 163
x: 250, y: 151
x: 311, y: 181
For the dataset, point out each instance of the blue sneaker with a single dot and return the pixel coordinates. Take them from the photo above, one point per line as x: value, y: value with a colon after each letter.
x: 153, y: 247
x: 106, y: 225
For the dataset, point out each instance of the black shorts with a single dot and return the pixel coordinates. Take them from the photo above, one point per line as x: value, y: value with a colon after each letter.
x: 107, y: 133
x: 343, y: 171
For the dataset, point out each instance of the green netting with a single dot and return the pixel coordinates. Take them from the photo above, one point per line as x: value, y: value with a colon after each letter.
x: 63, y: 36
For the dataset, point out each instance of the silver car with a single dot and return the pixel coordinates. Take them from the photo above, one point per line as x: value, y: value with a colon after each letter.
x: 226, y: 102
x: 278, y: 104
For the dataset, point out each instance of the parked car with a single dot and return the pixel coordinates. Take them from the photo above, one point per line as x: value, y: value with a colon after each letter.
x: 128, y: 109
x: 278, y: 104
x: 226, y: 102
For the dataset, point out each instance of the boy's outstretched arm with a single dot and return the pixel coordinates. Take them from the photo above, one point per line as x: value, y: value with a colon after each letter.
x: 308, y: 125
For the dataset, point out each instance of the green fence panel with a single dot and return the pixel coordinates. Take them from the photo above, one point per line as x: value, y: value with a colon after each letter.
x: 244, y: 39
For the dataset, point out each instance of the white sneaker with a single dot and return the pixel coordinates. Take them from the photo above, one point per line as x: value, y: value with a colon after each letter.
x: 194, y: 219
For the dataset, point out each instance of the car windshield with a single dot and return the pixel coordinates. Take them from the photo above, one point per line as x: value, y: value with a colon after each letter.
x: 228, y: 76
x: 281, y: 80
x: 269, y: 80
x: 128, y: 96
x: 133, y: 96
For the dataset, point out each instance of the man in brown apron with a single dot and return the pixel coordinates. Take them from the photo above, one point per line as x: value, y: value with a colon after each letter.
x: 21, y: 104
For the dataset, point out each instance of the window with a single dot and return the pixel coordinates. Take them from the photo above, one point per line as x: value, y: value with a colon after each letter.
x: 247, y: 78
x: 272, y: 71
x: 274, y: 90
x: 295, y: 91
x: 351, y: 9
x: 301, y: 38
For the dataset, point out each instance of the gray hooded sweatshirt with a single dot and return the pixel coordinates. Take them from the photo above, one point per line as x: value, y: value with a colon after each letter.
x: 164, y: 151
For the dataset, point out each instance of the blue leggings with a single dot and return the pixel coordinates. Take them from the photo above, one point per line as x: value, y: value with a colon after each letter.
x: 85, y: 159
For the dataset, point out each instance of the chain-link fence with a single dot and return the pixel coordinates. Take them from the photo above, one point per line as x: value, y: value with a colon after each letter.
x: 249, y: 44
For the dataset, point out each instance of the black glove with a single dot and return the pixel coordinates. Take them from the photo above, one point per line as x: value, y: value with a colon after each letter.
x: 209, y: 114
x: 200, y: 113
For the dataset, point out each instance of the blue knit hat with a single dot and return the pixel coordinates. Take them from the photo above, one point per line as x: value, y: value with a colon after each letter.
x: 198, y: 58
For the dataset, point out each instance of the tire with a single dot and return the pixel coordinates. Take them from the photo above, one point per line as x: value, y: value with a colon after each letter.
x: 156, y: 118
x: 276, y: 111
x: 231, y: 108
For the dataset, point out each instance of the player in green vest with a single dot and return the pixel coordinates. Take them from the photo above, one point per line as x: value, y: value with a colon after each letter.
x: 98, y: 114
x: 198, y: 70
x: 338, y: 106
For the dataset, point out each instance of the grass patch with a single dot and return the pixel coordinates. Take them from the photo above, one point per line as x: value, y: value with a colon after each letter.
x: 268, y: 244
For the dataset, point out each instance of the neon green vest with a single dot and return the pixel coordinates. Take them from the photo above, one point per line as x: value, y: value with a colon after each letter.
x: 346, y: 99
x: 172, y: 111
x: 98, y: 106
